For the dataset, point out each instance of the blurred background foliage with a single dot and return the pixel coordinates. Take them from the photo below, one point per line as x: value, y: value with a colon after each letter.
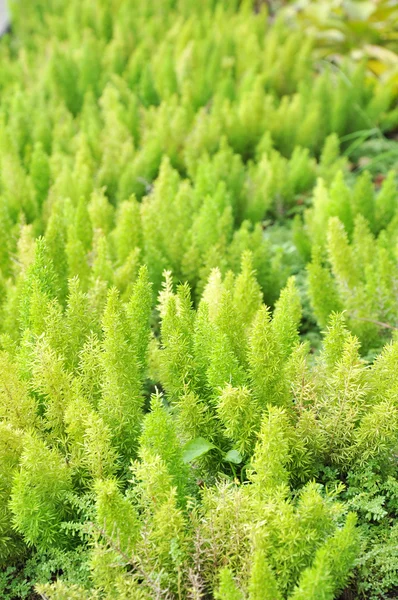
x: 343, y: 26
x: 363, y: 31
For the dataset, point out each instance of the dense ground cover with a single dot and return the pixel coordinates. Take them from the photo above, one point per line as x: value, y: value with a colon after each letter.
x: 198, y: 298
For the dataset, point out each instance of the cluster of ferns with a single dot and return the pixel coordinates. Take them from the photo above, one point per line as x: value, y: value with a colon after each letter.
x: 198, y: 307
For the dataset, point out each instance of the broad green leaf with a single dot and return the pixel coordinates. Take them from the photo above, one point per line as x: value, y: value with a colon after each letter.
x: 196, y: 448
x: 233, y: 456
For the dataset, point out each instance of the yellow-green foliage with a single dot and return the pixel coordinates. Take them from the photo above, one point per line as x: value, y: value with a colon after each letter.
x: 182, y: 208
